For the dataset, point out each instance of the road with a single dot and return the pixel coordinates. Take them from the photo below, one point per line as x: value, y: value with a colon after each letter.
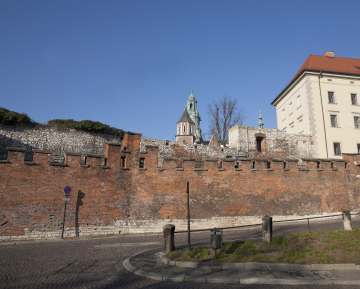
x: 96, y: 262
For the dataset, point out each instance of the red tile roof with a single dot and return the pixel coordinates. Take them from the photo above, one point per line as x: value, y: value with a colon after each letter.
x: 322, y: 63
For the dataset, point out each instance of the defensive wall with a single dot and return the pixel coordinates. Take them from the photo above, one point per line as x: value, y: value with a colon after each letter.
x: 59, y: 140
x: 273, y: 142
x: 125, y: 190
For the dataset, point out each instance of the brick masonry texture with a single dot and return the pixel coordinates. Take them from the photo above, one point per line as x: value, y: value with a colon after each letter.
x: 107, y: 198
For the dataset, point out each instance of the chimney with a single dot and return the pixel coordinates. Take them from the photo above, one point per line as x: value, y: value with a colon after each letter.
x: 329, y: 54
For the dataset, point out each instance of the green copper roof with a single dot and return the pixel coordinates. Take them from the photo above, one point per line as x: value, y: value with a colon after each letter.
x: 185, y: 117
x: 191, y: 95
x: 260, y: 123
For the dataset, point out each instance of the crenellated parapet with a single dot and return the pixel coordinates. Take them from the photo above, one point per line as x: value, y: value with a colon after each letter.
x: 128, y: 156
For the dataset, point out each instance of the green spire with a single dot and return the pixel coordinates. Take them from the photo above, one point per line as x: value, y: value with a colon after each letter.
x: 260, y: 123
x: 194, y: 114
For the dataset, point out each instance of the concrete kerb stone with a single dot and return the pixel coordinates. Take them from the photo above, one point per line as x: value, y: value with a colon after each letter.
x: 344, y: 267
x: 176, y: 278
x: 128, y: 265
x: 250, y: 265
x: 223, y: 280
x: 187, y: 264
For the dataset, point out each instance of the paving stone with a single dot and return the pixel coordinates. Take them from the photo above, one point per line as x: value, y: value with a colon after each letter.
x: 350, y: 275
x: 326, y: 275
x: 283, y: 275
x: 264, y: 274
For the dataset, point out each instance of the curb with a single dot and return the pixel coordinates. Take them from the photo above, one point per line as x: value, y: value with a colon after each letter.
x: 250, y: 280
x: 259, y: 266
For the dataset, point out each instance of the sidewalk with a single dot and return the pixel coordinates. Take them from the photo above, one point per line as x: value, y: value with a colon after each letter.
x: 153, y: 264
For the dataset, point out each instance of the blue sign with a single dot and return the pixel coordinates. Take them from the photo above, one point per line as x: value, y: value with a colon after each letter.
x: 67, y: 189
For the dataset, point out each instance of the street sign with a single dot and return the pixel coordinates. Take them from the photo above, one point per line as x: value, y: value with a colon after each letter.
x: 66, y: 197
x: 67, y: 191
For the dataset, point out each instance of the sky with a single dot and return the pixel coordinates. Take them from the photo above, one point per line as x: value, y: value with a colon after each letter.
x: 131, y: 64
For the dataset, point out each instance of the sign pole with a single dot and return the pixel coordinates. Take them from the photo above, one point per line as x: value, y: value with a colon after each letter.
x: 188, y: 213
x: 62, y: 234
x: 66, y: 198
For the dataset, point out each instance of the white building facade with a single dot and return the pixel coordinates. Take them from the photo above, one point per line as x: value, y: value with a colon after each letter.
x: 323, y: 100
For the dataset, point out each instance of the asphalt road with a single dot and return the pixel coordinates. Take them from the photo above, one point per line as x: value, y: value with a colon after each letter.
x: 97, y: 262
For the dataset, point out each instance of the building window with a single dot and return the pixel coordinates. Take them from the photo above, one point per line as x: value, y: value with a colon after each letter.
x: 141, y: 163
x: 179, y: 130
x: 258, y: 143
x: 301, y: 126
x: 331, y: 97
x: 337, y: 150
x: 358, y: 148
x: 292, y: 129
x: 190, y: 128
x: 298, y: 101
x: 122, y: 162
x: 334, y: 120
x: 184, y: 128
x: 354, y: 99
x: 283, y: 114
x: 290, y: 108
x: 357, y: 122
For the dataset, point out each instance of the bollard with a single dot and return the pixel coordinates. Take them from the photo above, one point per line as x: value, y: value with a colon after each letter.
x: 347, y: 220
x: 169, y: 238
x: 267, y: 229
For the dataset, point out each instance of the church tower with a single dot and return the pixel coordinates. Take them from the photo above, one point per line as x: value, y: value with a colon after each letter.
x: 195, y: 116
x: 188, y: 127
x: 185, y: 128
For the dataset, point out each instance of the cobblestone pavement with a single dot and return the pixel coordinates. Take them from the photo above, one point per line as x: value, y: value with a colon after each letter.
x: 97, y: 262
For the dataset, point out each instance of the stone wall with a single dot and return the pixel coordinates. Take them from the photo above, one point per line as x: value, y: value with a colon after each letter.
x: 275, y: 142
x: 57, y: 139
x: 107, y: 199
x: 60, y: 140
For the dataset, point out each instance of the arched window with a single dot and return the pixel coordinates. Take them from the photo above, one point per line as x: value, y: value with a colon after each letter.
x: 191, y: 106
x: 184, y: 128
x: 190, y: 129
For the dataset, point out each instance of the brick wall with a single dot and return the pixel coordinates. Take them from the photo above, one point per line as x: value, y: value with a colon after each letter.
x: 107, y: 198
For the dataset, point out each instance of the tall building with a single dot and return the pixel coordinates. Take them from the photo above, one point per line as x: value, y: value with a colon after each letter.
x: 322, y: 100
x: 188, y: 127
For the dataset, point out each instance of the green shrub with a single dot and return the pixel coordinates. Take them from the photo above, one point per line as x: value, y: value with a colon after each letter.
x: 86, y: 125
x: 9, y: 117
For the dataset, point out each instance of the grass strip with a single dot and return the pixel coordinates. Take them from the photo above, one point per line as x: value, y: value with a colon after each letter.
x: 323, y: 247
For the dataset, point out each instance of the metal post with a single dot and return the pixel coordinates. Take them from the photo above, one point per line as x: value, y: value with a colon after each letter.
x: 308, y: 224
x: 188, y: 213
x: 62, y: 234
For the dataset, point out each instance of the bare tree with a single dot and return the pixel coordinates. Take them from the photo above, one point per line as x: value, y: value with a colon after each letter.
x: 224, y: 114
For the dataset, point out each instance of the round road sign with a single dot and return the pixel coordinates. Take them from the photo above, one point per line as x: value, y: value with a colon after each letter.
x: 67, y: 189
